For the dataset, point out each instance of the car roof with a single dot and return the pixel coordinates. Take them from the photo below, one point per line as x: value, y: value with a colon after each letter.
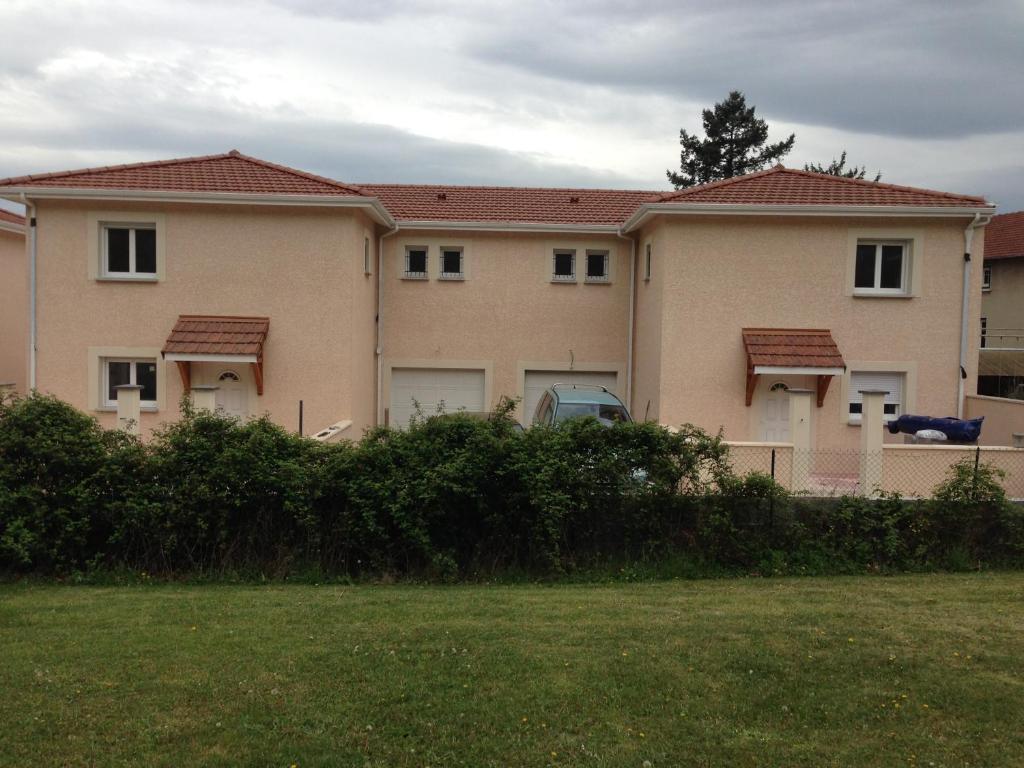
x: 566, y: 394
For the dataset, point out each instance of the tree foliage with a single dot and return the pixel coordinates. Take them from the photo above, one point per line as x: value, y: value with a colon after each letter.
x: 735, y: 143
x: 838, y: 168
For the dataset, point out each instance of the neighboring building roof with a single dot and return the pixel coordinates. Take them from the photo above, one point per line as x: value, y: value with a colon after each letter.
x: 11, y: 222
x: 520, y: 205
x: 786, y: 186
x: 231, y: 172
x: 214, y: 335
x: 791, y: 348
x: 1004, y: 236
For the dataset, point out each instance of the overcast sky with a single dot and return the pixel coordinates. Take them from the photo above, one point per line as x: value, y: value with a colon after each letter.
x: 544, y: 93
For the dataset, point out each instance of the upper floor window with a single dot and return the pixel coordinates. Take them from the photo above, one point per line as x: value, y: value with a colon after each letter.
x: 891, y: 382
x: 416, y: 262
x: 597, y: 267
x: 451, y: 263
x: 564, y: 266
x: 647, y: 262
x: 986, y: 279
x: 366, y: 256
x: 882, y: 268
x: 141, y: 372
x: 129, y: 251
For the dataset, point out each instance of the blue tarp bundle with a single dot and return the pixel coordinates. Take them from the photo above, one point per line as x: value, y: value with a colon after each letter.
x: 960, y: 430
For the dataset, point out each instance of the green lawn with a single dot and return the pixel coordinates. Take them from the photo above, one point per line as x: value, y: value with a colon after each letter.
x: 903, y: 671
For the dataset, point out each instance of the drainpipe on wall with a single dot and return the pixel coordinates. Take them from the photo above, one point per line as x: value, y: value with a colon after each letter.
x: 629, y: 337
x: 30, y: 216
x: 979, y: 220
x: 380, y: 323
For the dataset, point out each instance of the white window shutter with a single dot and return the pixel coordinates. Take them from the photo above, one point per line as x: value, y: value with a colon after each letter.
x: 889, y: 381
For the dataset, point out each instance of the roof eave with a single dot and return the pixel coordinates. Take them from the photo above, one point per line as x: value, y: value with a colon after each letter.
x: 10, y: 226
x: 510, y: 226
x: 376, y: 209
x: 646, y: 210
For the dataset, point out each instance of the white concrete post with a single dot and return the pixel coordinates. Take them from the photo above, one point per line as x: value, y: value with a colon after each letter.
x: 129, y: 407
x: 204, y: 397
x: 872, y: 431
x: 800, y: 436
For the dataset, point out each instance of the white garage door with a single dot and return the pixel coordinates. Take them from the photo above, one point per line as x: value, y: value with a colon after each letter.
x: 538, y: 381
x: 455, y: 389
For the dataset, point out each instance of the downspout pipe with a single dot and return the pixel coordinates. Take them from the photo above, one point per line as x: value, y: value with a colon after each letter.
x: 632, y: 319
x: 30, y: 211
x: 979, y: 220
x: 380, y: 322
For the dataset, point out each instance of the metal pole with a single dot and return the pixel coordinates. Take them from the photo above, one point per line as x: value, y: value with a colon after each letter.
x: 771, y: 498
x: 974, y: 480
x: 300, y: 418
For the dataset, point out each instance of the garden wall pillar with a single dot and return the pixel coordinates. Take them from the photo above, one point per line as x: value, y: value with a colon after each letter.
x: 872, y: 431
x: 204, y: 397
x: 129, y: 407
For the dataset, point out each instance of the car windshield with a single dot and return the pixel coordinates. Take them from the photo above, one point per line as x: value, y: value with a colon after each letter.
x: 600, y: 411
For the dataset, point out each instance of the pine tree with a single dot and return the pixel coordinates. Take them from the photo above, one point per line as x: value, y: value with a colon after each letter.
x: 838, y: 168
x: 735, y: 144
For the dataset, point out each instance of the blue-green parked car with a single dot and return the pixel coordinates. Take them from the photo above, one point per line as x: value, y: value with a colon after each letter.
x: 566, y: 401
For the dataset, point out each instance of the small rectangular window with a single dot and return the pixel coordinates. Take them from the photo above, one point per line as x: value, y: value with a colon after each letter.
x: 140, y: 372
x: 597, y: 267
x: 451, y: 263
x: 416, y: 262
x: 564, y: 269
x: 647, y: 262
x: 129, y: 251
x: 366, y: 256
x: 881, y: 268
x: 891, y: 382
x: 986, y: 279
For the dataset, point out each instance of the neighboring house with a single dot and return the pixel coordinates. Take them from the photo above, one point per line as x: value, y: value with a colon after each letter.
x: 699, y: 306
x: 13, y: 302
x: 1001, y: 360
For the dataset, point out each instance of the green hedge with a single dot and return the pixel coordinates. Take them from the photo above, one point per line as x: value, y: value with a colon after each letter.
x: 451, y: 497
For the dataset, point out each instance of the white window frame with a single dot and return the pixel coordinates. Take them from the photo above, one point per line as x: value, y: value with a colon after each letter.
x: 461, y: 274
x: 986, y: 278
x: 854, y: 396
x: 555, y: 277
x: 604, y: 278
x: 407, y: 275
x: 647, y: 262
x: 132, y: 228
x: 105, y: 401
x: 876, y: 289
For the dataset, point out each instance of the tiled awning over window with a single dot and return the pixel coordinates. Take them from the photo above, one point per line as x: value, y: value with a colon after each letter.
x: 799, y: 351
x: 211, y: 338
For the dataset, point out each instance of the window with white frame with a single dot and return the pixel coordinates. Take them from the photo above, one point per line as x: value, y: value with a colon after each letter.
x: 451, y: 263
x: 597, y: 267
x: 984, y: 331
x: 416, y: 262
x: 986, y: 279
x: 882, y: 267
x: 563, y: 268
x: 647, y: 262
x: 129, y: 250
x: 366, y: 256
x: 890, y: 382
x: 119, y: 371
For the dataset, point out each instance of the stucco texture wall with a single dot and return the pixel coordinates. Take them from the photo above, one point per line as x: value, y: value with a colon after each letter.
x: 294, y: 265
x: 13, y: 310
x: 647, y: 349
x: 1003, y: 419
x: 506, y: 313
x: 722, y: 274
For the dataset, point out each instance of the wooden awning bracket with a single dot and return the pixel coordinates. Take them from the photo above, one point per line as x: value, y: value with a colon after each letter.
x: 257, y: 374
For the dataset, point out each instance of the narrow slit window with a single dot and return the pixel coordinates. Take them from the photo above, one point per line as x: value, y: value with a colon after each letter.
x: 647, y: 262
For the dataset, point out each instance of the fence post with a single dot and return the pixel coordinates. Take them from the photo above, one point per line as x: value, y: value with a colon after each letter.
x: 129, y: 407
x: 800, y: 435
x: 872, y: 419
x: 771, y: 499
x: 204, y: 397
x: 974, y: 478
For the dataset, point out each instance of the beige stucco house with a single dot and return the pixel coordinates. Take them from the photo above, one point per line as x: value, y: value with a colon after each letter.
x: 705, y: 305
x: 14, y: 309
x: 1001, y: 357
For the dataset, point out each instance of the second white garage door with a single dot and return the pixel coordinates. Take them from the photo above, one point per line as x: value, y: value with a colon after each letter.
x: 538, y: 381
x: 457, y: 389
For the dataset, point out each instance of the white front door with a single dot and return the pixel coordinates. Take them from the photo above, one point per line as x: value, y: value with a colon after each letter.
x: 775, y: 413
x: 233, y: 394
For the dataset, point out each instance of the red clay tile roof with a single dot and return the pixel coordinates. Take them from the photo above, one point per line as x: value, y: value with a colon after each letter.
x: 792, y: 348
x: 1004, y: 236
x: 213, y: 335
x: 521, y: 205
x: 11, y: 218
x: 786, y: 186
x: 227, y: 173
